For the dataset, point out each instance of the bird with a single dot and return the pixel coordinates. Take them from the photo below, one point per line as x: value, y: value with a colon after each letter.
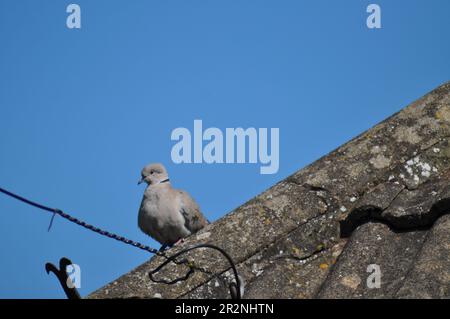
x: 166, y: 214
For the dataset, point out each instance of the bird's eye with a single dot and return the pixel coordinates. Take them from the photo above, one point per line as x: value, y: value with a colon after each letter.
x: 151, y: 172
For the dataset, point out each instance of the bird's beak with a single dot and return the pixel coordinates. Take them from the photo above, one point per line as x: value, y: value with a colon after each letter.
x: 141, y: 181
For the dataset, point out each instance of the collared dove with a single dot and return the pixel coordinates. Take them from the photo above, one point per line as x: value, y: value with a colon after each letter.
x: 167, y: 214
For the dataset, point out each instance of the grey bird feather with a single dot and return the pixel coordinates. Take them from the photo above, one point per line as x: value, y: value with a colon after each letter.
x: 166, y: 214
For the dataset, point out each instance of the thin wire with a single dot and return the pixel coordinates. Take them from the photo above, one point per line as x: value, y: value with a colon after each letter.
x: 51, y: 222
x: 72, y: 219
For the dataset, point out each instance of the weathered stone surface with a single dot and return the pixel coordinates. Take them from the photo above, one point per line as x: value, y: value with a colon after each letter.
x: 430, y: 274
x: 373, y: 243
x: 292, y: 278
x: 286, y: 240
x: 317, y: 239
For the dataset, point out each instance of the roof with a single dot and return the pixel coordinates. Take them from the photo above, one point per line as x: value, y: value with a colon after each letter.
x: 381, y: 199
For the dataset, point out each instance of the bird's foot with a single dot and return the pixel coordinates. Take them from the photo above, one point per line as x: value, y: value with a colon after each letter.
x: 179, y: 241
x: 168, y: 246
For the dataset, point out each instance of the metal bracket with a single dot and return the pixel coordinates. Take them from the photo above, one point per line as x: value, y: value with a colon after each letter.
x: 63, y: 277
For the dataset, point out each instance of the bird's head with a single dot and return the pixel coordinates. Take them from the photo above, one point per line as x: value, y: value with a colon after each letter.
x: 153, y: 174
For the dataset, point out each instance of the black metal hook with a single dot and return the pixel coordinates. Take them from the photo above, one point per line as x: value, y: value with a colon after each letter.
x: 63, y: 277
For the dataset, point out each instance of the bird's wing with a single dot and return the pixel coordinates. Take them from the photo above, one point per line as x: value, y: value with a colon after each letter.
x: 194, y: 219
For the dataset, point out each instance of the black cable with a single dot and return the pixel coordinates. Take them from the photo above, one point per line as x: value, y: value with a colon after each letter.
x: 235, y: 288
x: 102, y: 232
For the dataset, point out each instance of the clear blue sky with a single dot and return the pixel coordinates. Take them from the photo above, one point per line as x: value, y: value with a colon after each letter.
x: 82, y: 111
